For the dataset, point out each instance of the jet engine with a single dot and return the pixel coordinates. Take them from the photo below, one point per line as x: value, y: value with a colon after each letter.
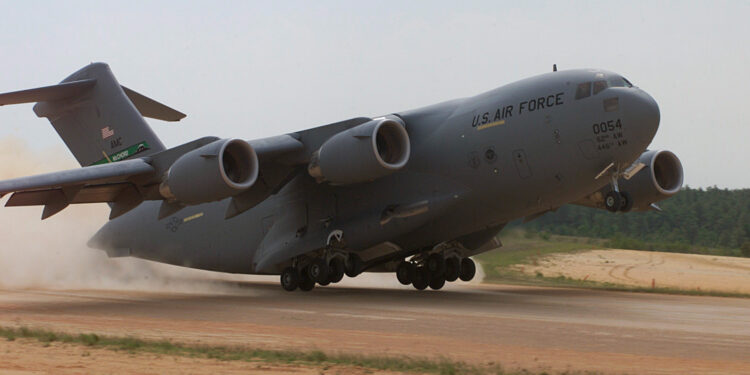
x: 660, y: 178
x: 218, y: 170
x: 363, y: 153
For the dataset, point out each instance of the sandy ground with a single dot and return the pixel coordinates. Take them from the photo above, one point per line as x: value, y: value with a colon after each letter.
x: 31, y: 357
x: 647, y: 268
x: 540, y: 329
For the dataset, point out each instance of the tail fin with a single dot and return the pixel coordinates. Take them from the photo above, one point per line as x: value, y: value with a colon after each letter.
x: 99, y: 120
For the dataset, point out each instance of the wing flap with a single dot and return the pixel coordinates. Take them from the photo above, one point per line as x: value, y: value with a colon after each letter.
x: 88, y: 194
x: 93, y: 175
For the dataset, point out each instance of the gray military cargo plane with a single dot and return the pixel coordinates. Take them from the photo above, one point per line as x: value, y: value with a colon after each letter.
x: 415, y: 192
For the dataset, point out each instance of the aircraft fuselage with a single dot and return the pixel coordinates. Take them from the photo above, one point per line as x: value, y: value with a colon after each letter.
x: 476, y: 164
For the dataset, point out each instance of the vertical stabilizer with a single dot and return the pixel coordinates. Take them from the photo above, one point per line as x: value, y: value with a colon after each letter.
x: 99, y: 123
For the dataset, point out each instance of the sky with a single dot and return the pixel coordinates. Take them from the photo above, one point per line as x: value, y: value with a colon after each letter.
x: 255, y: 69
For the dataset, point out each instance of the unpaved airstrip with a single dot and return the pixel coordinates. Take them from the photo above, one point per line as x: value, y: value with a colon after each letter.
x: 704, y: 273
x: 534, y: 328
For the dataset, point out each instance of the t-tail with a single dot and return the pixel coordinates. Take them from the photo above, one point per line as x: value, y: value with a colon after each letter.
x: 99, y: 120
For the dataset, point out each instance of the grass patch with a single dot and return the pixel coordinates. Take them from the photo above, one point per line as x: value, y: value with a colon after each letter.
x: 522, y: 247
x: 236, y: 353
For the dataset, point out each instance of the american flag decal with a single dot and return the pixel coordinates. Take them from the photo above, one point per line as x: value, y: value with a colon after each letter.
x: 106, y: 132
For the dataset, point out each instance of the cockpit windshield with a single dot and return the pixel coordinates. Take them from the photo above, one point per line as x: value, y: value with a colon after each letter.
x: 618, y: 81
x: 584, y: 89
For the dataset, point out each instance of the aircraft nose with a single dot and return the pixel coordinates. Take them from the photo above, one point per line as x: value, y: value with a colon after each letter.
x: 644, y: 115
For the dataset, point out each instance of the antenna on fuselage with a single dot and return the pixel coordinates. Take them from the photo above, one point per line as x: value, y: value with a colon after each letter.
x: 554, y: 67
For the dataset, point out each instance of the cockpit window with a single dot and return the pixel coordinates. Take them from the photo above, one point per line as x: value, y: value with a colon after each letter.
x: 599, y: 86
x: 583, y: 90
x: 618, y: 82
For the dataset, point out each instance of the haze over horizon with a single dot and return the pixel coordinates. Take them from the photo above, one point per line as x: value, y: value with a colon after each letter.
x: 257, y: 69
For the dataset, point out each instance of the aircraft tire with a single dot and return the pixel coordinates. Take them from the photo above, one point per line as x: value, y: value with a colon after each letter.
x: 403, y: 273
x: 452, y: 269
x: 353, y: 265
x: 336, y: 270
x: 436, y: 264
x: 627, y: 201
x: 412, y: 272
x: 318, y: 270
x: 289, y: 279
x: 468, y: 269
x: 422, y: 279
x: 613, y: 201
x: 437, y: 282
x: 306, y: 284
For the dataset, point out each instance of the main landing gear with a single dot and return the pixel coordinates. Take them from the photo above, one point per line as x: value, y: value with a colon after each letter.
x: 435, y: 271
x: 316, y: 271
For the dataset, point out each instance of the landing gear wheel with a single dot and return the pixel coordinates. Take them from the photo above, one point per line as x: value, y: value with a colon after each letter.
x: 468, y: 269
x: 452, y: 269
x: 436, y: 264
x: 336, y: 270
x: 437, y: 282
x: 627, y: 201
x: 318, y: 271
x: 402, y: 273
x: 613, y: 201
x: 353, y: 265
x: 289, y: 279
x: 306, y: 284
x: 421, y: 279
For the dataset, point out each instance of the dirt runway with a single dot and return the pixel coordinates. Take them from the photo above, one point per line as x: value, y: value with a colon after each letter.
x: 518, y: 327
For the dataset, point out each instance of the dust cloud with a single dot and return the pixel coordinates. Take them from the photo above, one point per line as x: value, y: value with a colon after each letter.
x: 52, y: 254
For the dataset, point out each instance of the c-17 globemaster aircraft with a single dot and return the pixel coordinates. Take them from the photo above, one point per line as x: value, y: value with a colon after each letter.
x: 414, y: 192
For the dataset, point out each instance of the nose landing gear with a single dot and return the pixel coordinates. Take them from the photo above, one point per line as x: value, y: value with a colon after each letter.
x: 617, y: 200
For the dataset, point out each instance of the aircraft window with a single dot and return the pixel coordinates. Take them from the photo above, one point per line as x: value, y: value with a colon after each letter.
x: 618, y: 82
x: 611, y: 104
x: 583, y: 91
x: 599, y: 86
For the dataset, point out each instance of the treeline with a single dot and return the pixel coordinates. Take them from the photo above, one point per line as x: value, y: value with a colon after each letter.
x: 694, y: 220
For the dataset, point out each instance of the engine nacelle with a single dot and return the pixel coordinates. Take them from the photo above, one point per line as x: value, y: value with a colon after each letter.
x: 218, y: 170
x: 363, y: 153
x: 660, y: 179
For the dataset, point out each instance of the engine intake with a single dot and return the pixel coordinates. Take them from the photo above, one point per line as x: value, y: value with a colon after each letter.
x: 363, y: 153
x: 218, y: 170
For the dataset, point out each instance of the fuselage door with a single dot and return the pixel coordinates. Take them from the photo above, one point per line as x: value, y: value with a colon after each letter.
x: 522, y: 165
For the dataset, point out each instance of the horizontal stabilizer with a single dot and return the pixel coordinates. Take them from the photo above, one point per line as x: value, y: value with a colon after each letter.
x: 49, y: 93
x: 151, y: 108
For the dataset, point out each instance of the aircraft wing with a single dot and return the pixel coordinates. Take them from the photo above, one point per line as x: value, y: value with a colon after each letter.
x: 111, y: 182
x: 127, y: 183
